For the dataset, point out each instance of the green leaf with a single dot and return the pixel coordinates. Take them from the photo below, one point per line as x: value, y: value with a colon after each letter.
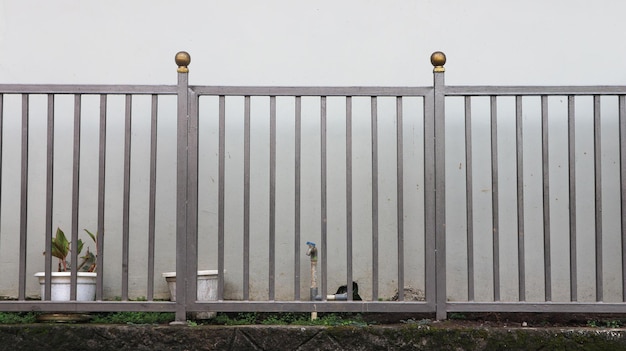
x: 88, y: 263
x: 80, y: 246
x: 60, y: 245
x: 93, y: 237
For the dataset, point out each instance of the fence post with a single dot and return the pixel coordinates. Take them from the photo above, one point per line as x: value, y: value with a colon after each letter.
x: 182, y: 161
x: 438, y: 59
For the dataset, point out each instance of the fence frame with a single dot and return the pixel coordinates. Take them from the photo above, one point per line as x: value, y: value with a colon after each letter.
x: 434, y: 198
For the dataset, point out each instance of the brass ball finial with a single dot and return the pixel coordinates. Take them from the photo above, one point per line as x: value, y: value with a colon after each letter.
x: 438, y: 59
x: 183, y: 60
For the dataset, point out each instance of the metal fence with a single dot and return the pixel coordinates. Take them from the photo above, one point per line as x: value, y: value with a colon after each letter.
x: 583, y: 244
x: 435, y: 239
x: 46, y: 142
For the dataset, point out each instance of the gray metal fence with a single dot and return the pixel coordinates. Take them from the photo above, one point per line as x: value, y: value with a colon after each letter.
x: 347, y: 146
x: 49, y: 95
x: 594, y: 168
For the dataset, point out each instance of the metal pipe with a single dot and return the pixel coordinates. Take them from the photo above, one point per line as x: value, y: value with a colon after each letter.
x: 312, y: 252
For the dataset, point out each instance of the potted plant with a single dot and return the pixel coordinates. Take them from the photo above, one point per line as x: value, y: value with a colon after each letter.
x: 86, y: 270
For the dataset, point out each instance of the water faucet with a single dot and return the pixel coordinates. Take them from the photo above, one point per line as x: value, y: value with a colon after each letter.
x: 312, y: 251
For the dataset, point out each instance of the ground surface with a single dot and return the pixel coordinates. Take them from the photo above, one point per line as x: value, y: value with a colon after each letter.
x: 513, y: 331
x: 404, y: 336
x: 503, y: 319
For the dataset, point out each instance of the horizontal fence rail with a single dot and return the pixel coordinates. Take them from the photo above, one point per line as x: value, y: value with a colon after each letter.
x: 87, y: 89
x: 430, y: 199
x: 311, y: 91
x: 533, y: 90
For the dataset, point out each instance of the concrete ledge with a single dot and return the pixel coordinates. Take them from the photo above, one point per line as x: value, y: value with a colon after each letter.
x: 398, y: 337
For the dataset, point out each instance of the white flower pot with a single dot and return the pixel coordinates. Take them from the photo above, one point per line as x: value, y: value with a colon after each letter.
x: 206, y: 289
x: 60, y: 285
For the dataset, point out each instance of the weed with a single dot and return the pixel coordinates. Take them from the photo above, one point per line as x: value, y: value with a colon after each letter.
x: 17, y: 317
x: 418, y: 322
x: 337, y: 320
x: 613, y: 324
x: 274, y: 321
x: 604, y: 324
x: 133, y: 318
x: 286, y: 319
x: 241, y: 319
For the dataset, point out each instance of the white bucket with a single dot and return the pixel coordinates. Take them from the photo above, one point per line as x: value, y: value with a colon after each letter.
x: 60, y: 285
x: 206, y: 289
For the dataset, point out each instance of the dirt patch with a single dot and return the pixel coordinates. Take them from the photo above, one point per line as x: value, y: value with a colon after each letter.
x: 470, y: 320
x: 455, y: 320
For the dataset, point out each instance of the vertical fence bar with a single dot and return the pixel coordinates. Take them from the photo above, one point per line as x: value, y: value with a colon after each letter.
x: 101, y: 197
x: 545, y: 165
x: 23, y: 199
x: 182, y: 60
x: 296, y: 229
x: 246, y: 199
x: 272, y: 202
x: 126, y: 197
x: 221, y: 196
x: 374, y: 131
x: 495, y: 207
x: 400, y: 197
x: 438, y: 59
x: 598, y: 194
x: 469, y: 202
x: 349, y: 272
x: 49, y: 196
x: 192, y: 201
x: 429, y: 200
x: 1, y: 150
x: 521, y: 247
x: 571, y: 141
x: 622, y: 152
x: 152, y: 196
x: 75, y: 191
x: 324, y: 217
x: 1, y: 142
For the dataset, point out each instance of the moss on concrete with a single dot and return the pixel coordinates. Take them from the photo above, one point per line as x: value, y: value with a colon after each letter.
x: 399, y: 337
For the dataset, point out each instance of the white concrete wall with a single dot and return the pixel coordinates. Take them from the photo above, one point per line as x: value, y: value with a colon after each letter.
x: 350, y: 42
